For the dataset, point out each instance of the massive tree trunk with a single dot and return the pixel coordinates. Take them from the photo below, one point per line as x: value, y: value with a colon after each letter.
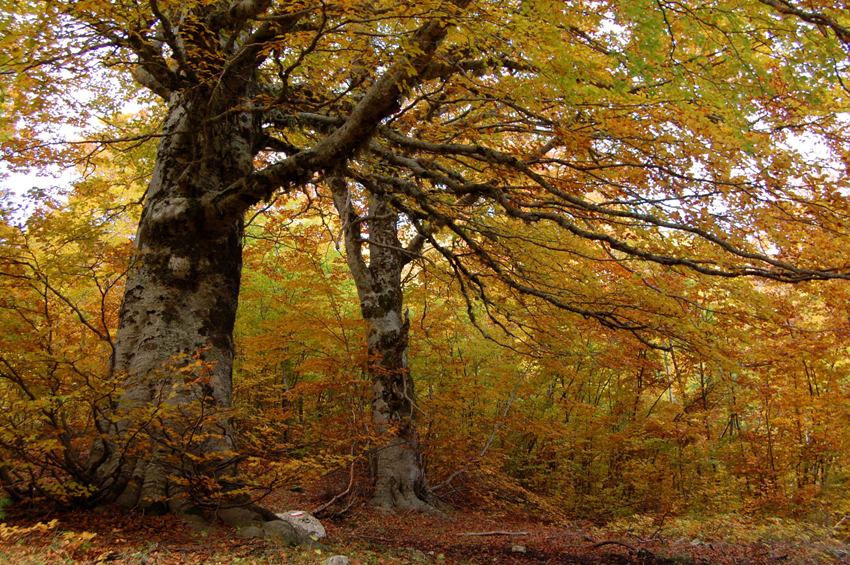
x: 174, y: 344
x: 400, y: 481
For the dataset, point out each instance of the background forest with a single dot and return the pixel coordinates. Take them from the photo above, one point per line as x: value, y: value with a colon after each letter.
x: 576, y: 262
x: 748, y: 413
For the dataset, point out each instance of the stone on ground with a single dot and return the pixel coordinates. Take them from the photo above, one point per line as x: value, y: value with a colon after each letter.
x: 239, y: 517
x: 282, y: 533
x: 250, y: 532
x: 307, y: 524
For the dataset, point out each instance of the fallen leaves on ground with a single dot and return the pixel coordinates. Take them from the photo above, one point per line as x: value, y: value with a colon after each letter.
x: 369, y: 537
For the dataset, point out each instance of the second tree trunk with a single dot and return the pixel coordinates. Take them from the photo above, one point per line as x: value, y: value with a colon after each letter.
x: 400, y: 482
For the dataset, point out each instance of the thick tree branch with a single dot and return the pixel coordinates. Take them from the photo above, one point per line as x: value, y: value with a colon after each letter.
x: 350, y: 232
x: 842, y: 32
x: 379, y: 102
x: 532, y: 210
x: 239, y: 68
x: 237, y: 13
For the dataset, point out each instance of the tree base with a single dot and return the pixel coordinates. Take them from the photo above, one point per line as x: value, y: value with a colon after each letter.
x: 391, y: 503
x: 400, y: 483
x: 151, y: 489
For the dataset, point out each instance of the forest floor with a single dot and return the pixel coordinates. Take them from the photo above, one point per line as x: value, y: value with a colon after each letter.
x: 367, y: 537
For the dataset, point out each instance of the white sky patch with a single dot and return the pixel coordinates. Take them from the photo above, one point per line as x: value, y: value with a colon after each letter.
x: 815, y: 151
x: 811, y: 147
x: 21, y: 187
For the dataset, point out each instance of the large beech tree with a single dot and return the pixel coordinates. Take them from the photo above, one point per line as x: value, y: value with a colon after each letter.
x: 639, y: 131
x: 183, y: 286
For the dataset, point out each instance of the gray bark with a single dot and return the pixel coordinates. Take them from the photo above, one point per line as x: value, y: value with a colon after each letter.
x: 179, y: 307
x: 400, y: 481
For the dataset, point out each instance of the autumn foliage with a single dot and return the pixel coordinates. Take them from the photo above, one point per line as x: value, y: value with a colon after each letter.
x: 628, y: 299
x: 742, y: 407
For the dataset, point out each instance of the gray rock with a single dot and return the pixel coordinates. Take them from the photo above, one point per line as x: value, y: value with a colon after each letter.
x: 304, y: 522
x: 282, y: 533
x: 518, y: 549
x: 239, y: 517
x: 337, y: 560
x: 417, y: 556
x: 250, y: 532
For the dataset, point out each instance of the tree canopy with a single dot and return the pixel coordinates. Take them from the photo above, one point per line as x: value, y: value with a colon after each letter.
x: 706, y: 137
